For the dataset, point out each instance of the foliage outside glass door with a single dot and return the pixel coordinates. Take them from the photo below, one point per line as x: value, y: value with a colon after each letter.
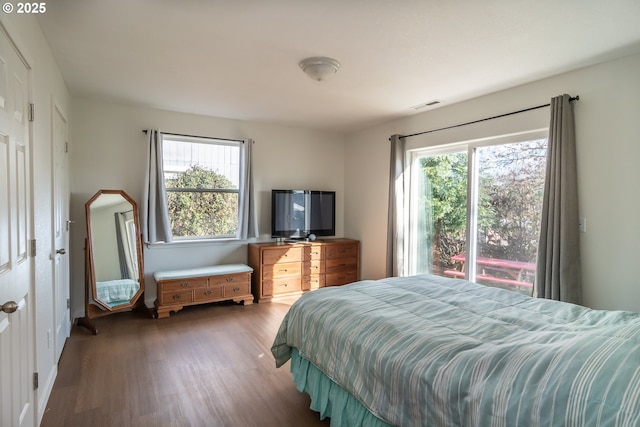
x: 507, y: 184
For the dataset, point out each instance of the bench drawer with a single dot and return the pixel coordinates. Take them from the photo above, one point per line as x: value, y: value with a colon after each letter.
x: 176, y: 297
x: 207, y: 294
x: 240, y: 288
x: 226, y: 279
x: 184, y: 284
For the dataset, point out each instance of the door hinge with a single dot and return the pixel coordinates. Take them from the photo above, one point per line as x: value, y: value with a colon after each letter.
x: 32, y: 112
x: 68, y: 302
x: 66, y: 147
x: 35, y: 380
x: 33, y: 247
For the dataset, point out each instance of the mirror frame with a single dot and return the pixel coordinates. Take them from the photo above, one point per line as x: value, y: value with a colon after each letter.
x: 95, y: 307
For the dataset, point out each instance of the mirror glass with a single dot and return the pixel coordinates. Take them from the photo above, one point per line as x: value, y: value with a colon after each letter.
x: 115, y: 255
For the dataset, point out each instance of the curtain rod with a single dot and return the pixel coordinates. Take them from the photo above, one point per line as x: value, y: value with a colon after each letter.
x: 145, y: 131
x: 571, y: 99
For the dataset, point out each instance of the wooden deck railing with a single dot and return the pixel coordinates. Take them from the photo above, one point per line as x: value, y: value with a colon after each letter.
x: 498, y: 271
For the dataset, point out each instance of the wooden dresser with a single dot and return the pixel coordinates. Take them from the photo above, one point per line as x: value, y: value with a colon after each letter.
x: 179, y: 288
x: 281, y: 269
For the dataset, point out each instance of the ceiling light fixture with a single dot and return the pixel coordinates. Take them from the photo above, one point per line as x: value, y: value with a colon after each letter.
x: 319, y: 68
x: 427, y: 104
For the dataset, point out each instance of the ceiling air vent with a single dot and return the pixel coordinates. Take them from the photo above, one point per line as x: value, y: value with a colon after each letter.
x: 427, y: 104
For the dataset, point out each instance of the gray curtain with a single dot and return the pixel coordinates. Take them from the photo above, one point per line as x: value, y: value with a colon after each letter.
x: 156, y: 226
x: 248, y: 222
x: 396, y: 217
x: 558, y: 273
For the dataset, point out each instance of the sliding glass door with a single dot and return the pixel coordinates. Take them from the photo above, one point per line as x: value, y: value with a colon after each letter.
x: 475, y: 212
x: 439, y: 212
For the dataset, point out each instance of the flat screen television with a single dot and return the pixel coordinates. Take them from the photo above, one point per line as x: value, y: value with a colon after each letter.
x: 298, y: 214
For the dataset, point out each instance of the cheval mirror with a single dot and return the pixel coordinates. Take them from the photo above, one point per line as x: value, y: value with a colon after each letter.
x: 114, y: 271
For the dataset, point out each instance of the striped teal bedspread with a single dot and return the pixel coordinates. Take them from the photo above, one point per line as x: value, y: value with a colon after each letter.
x: 433, y: 351
x: 116, y: 292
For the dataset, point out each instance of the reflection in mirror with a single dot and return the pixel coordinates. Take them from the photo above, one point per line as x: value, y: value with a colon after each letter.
x: 114, y: 270
x: 114, y: 250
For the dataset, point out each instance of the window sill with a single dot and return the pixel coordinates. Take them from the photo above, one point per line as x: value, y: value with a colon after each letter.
x: 195, y: 243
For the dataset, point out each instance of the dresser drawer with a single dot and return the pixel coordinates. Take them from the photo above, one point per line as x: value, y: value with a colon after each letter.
x: 312, y: 267
x: 314, y: 252
x: 183, y: 284
x: 285, y: 269
x: 176, y: 297
x: 266, y: 289
x: 278, y: 255
x: 340, y: 264
x: 313, y: 281
x: 229, y: 278
x: 342, y: 278
x: 341, y: 251
x: 284, y: 286
x: 207, y: 294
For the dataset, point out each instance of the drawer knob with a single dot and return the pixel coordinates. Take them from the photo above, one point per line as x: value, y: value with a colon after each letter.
x: 208, y: 292
x: 184, y: 284
x: 229, y: 279
x: 236, y: 289
x: 176, y: 297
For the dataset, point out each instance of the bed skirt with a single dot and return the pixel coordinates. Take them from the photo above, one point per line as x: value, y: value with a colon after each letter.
x: 328, y: 398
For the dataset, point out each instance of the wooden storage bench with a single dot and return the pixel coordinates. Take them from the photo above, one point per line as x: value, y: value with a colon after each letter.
x: 179, y: 288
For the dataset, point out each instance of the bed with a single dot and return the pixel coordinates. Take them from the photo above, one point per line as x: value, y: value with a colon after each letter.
x: 429, y: 350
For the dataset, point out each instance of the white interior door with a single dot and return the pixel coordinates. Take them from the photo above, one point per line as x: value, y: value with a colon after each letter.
x: 16, y: 272
x: 61, y: 231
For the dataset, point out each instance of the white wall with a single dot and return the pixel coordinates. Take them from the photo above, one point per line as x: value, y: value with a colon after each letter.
x: 608, y: 129
x: 47, y: 89
x: 109, y: 153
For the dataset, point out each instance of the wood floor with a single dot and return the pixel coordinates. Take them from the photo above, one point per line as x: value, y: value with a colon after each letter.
x: 206, y: 365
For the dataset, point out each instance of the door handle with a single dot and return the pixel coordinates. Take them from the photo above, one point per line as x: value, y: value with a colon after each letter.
x: 9, y: 307
x: 61, y: 251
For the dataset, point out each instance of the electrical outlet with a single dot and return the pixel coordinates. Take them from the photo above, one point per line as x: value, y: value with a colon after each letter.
x: 582, y: 225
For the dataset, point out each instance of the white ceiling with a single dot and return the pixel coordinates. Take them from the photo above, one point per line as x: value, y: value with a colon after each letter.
x: 239, y: 59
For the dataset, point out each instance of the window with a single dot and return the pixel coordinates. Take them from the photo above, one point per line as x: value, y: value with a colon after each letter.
x: 475, y: 211
x: 202, y: 177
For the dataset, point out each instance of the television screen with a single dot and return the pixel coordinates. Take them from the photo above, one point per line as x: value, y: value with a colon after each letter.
x: 295, y: 214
